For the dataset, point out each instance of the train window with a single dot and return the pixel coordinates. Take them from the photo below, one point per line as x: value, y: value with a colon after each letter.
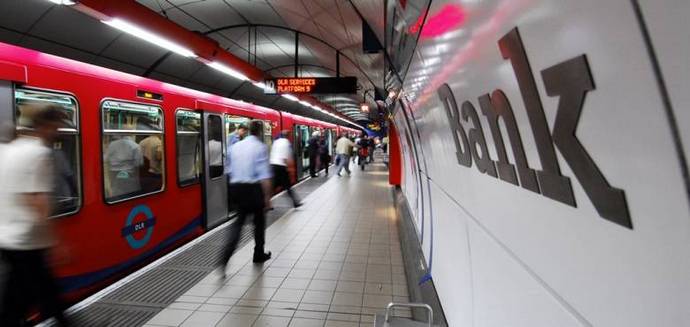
x: 215, y: 146
x: 268, y: 133
x: 66, y: 150
x: 133, y: 150
x: 188, y: 147
x: 231, y: 125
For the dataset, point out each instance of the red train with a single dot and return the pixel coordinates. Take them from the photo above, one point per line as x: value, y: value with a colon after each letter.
x: 140, y: 167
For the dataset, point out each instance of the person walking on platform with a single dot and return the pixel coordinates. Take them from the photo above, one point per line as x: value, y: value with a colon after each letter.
x: 324, y: 156
x: 363, y: 151
x: 26, y: 236
x: 250, y: 189
x: 281, y: 161
x: 313, y: 151
x: 343, y: 149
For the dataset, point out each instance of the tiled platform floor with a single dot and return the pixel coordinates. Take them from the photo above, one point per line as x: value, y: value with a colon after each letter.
x: 336, y: 262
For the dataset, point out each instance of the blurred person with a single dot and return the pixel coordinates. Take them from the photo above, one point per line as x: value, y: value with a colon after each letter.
x: 152, y: 169
x: 123, y: 158
x: 250, y: 189
x: 26, y: 237
x: 281, y: 160
x: 313, y: 152
x: 363, y: 150
x: 65, y: 184
x: 215, y: 149
x: 355, y: 158
x: 384, y: 144
x: 237, y: 135
x: 373, y: 142
x: 343, y: 150
x: 324, y: 156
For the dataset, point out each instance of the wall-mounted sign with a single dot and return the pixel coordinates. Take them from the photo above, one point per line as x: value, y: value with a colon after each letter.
x: 312, y: 85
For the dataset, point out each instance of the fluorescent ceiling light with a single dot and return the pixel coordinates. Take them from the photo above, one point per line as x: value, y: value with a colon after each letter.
x: 229, y: 71
x: 290, y: 97
x: 263, y: 86
x: 148, y: 36
x: 63, y: 2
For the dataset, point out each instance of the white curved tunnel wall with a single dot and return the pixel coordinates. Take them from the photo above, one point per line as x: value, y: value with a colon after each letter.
x: 502, y: 255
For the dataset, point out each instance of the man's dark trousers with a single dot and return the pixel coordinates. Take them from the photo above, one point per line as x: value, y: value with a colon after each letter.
x: 282, y: 178
x: 29, y: 282
x: 249, y: 200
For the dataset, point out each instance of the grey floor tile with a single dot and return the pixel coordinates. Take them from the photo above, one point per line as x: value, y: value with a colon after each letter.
x: 192, y: 299
x: 234, y: 292
x: 302, y: 273
x: 322, y: 285
x: 303, y: 322
x: 184, y: 306
x: 271, y: 321
x: 203, y: 319
x: 349, y: 299
x: 214, y: 308
x: 377, y: 301
x: 288, y: 295
x: 345, y: 309
x: 246, y: 310
x: 336, y: 323
x: 317, y: 297
x: 266, y: 281
x: 350, y: 286
x: 343, y: 317
x: 378, y: 288
x: 259, y: 293
x: 321, y: 315
x: 236, y: 320
x: 222, y: 301
x: 170, y: 317
x: 296, y: 283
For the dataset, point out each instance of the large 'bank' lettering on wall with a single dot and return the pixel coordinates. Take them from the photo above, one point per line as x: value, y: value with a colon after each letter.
x: 569, y: 81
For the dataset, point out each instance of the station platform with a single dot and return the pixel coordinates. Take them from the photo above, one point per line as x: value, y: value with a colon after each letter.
x: 337, y: 261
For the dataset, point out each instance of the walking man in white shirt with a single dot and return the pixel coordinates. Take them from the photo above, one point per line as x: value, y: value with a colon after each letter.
x: 26, y: 172
x: 343, y: 149
x: 281, y: 160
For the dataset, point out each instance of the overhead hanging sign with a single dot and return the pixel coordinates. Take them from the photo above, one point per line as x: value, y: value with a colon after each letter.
x: 312, y: 85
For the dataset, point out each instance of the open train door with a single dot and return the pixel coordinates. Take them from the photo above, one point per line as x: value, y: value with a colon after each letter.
x: 299, y: 150
x: 215, y: 184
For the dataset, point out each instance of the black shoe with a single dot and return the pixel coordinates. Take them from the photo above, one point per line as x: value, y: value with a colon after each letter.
x: 261, y: 258
x: 297, y: 204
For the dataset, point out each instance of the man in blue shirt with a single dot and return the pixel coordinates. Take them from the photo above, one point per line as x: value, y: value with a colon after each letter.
x: 249, y: 189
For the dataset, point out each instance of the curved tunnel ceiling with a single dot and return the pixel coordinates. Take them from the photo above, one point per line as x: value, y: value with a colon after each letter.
x: 239, y: 26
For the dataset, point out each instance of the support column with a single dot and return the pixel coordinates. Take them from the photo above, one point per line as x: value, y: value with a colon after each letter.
x: 394, y: 156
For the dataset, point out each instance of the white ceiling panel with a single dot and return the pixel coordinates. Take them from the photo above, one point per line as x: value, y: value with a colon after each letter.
x: 214, y: 14
x: 60, y: 25
x: 14, y: 13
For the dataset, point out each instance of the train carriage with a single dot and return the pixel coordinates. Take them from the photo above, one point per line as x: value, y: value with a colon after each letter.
x: 140, y: 162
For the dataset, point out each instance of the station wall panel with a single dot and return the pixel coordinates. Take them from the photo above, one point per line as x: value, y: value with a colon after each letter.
x: 601, y: 238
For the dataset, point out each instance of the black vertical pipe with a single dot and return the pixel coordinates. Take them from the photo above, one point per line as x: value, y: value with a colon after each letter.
x: 296, y: 53
x: 337, y: 63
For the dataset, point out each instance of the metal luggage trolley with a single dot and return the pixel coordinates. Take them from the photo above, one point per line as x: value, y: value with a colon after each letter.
x: 388, y: 320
